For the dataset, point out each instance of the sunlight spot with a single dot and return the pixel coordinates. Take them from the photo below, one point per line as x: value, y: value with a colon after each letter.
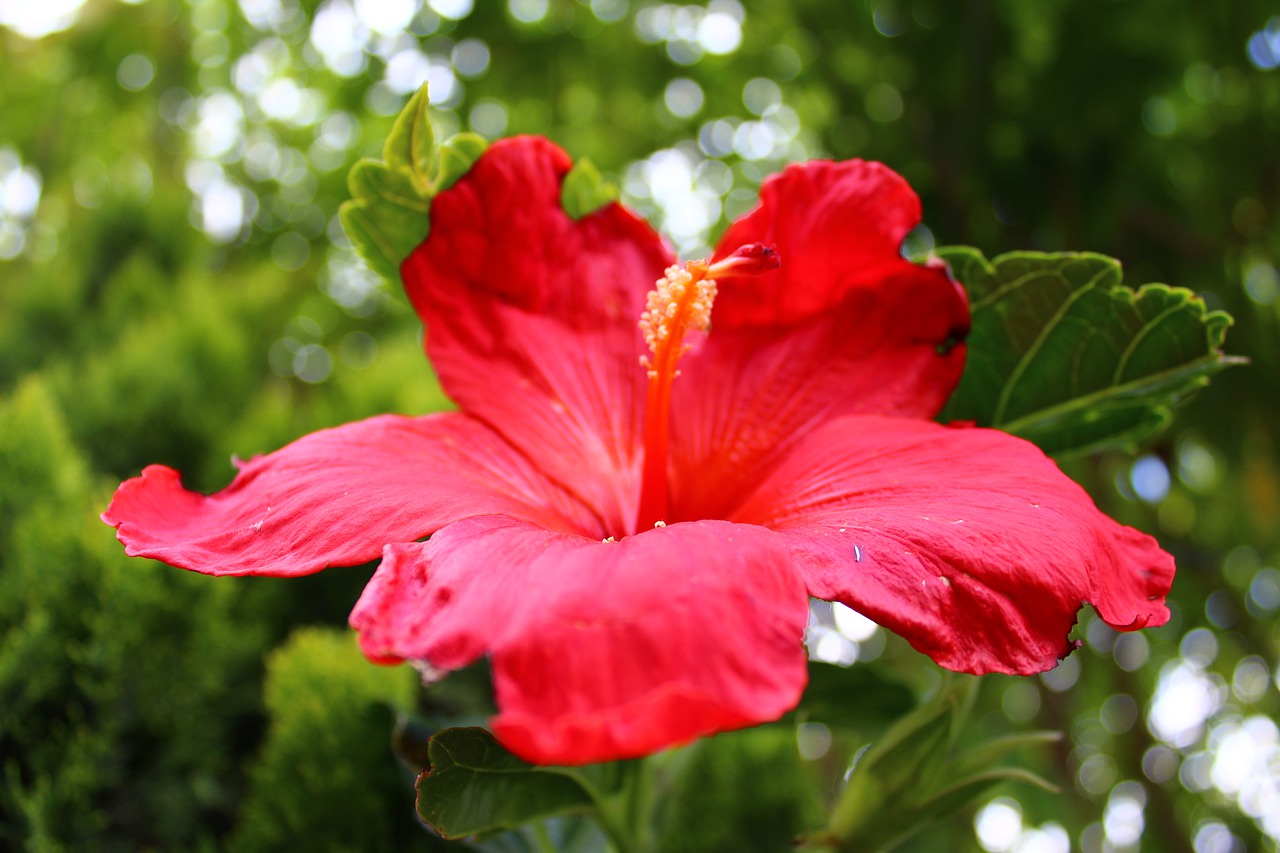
x: 222, y: 210
x: 281, y: 99
x: 1264, y: 46
x: 683, y: 97
x: 35, y: 20
x: 1159, y: 116
x: 407, y: 70
x: 1123, y: 821
x: 830, y: 646
x: 19, y: 190
x: 454, y: 10
x: 312, y: 363
x: 1214, y: 837
x: 387, y: 17
x: 1199, y: 647
x: 1131, y: 651
x: 340, y: 36
x: 883, y: 103
x: 998, y: 825
x: 135, y: 72
x: 488, y: 118
x: 219, y: 125
x: 1063, y: 676
x: 1150, y: 479
x: 719, y: 33
x: 609, y: 11
x: 853, y: 624
x: 1262, y: 283
x: 813, y: 740
x: 1185, y: 698
x: 1160, y: 764
x: 1264, y: 590
x: 528, y: 11
x: 470, y: 58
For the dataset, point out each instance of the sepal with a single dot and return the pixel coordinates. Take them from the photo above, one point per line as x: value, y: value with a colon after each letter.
x: 585, y: 191
x: 387, y: 216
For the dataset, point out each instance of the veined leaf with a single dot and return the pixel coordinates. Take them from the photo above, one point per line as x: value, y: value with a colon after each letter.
x: 1066, y: 356
x: 475, y: 786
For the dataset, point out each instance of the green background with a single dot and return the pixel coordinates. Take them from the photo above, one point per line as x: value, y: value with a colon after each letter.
x: 175, y: 288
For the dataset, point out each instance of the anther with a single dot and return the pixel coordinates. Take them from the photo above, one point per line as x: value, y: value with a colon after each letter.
x: 679, y: 303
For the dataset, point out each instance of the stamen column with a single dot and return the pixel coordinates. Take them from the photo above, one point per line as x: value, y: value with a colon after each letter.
x: 681, y: 300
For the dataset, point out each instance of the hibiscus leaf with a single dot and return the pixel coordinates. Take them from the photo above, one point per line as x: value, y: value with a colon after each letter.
x: 475, y: 786
x: 585, y: 191
x: 893, y: 779
x: 410, y: 147
x: 1066, y: 356
x: 743, y: 790
x: 984, y: 756
x: 852, y: 697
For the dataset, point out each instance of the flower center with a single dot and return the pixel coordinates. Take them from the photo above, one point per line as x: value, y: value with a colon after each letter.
x: 680, y: 301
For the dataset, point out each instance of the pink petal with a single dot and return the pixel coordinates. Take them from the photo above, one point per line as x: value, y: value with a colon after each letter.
x: 600, y: 650
x: 532, y: 319
x: 336, y: 497
x: 970, y: 543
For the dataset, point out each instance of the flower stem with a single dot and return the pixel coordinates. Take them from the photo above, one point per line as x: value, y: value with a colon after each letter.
x: 622, y: 813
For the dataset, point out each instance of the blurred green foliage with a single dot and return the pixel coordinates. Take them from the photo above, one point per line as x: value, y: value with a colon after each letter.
x: 175, y: 287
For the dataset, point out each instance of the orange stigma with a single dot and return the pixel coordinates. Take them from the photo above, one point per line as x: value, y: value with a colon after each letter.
x: 680, y: 301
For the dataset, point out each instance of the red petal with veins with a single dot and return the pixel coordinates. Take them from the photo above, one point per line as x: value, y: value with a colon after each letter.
x: 845, y: 326
x: 837, y: 227
x: 336, y: 497
x: 970, y: 543
x: 532, y: 319
x: 600, y: 650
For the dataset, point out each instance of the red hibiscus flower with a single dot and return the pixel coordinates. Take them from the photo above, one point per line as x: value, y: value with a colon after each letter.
x: 644, y: 484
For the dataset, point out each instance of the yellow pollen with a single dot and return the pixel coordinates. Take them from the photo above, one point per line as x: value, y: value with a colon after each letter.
x: 679, y: 301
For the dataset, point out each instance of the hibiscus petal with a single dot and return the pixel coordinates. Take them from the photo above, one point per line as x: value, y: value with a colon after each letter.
x: 968, y: 542
x: 336, y: 497
x: 844, y: 326
x: 837, y: 227
x: 600, y: 650
x: 532, y: 318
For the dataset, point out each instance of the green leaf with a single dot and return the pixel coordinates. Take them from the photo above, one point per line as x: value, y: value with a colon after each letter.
x: 410, y: 147
x: 914, y: 776
x: 852, y: 697
x: 985, y: 755
x: 456, y: 157
x: 744, y: 790
x: 585, y: 191
x: 1066, y: 356
x: 476, y: 786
